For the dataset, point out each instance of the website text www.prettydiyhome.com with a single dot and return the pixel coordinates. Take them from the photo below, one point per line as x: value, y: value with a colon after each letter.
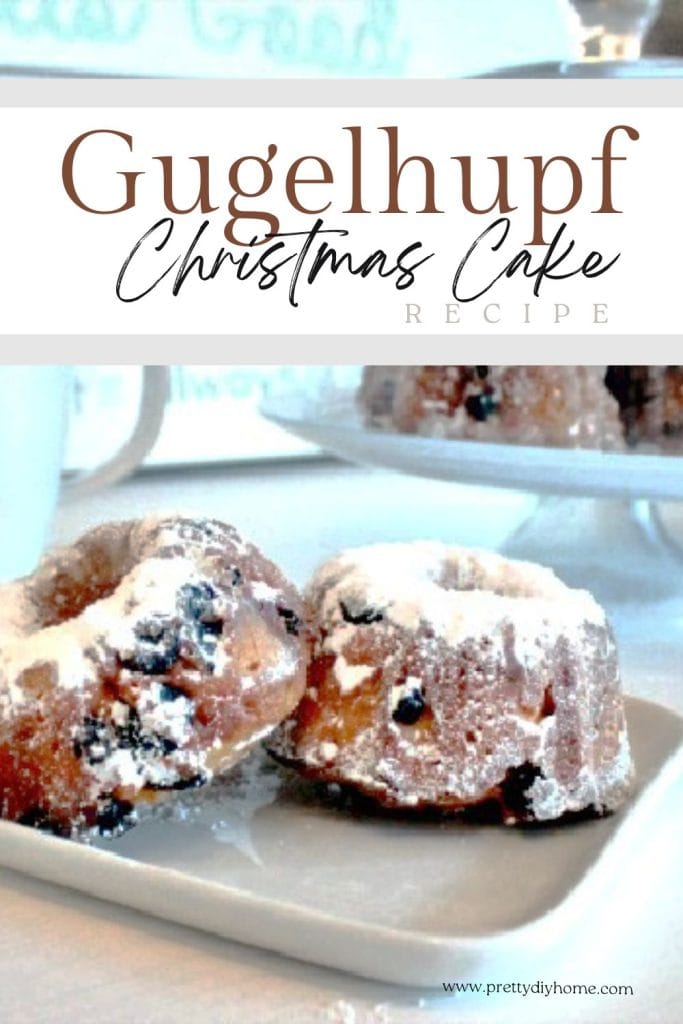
x: 537, y: 988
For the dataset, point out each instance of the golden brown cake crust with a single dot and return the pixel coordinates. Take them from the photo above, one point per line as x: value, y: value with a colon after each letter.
x: 559, y: 406
x: 607, y: 407
x: 446, y: 678
x: 148, y: 656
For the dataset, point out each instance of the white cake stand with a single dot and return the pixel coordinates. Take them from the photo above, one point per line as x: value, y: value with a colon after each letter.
x: 596, y: 521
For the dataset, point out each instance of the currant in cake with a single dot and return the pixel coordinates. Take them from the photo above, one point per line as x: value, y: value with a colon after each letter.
x: 447, y: 678
x: 147, y: 657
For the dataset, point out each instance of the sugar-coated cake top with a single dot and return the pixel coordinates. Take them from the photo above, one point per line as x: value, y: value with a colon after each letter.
x: 437, y: 583
x: 145, y: 565
x: 505, y: 667
x: 456, y: 593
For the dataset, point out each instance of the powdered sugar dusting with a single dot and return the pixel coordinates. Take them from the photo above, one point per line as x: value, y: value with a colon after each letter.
x: 458, y: 676
x: 125, y: 654
x: 411, y: 584
x: 564, y: 406
x: 350, y: 676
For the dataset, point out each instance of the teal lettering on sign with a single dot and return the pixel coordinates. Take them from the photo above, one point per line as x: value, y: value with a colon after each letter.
x: 341, y: 36
x: 329, y: 36
x: 97, y: 21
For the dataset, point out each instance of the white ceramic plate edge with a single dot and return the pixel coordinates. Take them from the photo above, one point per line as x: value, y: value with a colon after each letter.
x: 386, y: 954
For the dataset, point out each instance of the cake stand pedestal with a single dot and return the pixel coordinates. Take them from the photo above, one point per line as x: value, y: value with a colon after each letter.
x: 616, y: 548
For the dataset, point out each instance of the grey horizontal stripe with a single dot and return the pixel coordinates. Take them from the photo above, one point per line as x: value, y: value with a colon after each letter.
x: 298, y: 350
x: 127, y: 92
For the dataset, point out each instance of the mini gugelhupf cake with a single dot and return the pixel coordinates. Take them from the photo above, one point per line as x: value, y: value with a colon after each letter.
x: 149, y: 656
x: 561, y: 406
x: 604, y: 407
x: 447, y: 678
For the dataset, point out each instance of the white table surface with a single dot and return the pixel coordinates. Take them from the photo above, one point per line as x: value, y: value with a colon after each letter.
x: 65, y: 957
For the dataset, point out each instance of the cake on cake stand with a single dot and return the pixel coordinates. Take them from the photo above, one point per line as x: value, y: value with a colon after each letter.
x: 597, y: 519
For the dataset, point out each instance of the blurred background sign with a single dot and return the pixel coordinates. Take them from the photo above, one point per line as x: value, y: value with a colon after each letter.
x: 281, y: 38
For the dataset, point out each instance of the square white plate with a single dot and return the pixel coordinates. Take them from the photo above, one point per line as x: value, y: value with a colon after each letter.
x: 410, y: 902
